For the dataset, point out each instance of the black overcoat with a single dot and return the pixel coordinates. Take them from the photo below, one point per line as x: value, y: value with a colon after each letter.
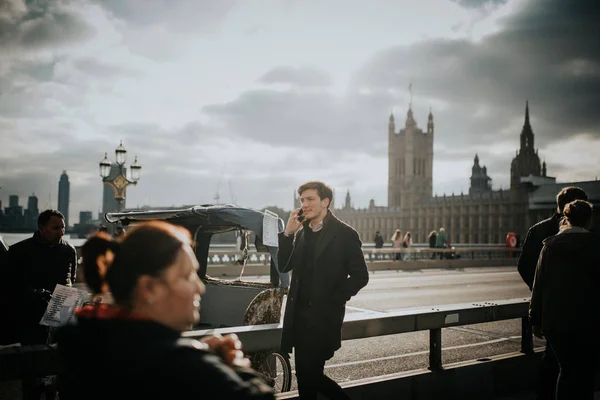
x: 340, y: 271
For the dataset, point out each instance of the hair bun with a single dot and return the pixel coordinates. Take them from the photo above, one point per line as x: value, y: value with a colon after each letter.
x: 578, y: 213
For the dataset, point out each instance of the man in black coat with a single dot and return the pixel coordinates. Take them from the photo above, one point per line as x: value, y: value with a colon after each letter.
x: 378, y: 240
x: 35, y: 266
x: 532, y: 246
x: 329, y: 268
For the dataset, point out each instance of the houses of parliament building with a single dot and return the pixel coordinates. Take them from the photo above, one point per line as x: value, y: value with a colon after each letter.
x: 483, y: 215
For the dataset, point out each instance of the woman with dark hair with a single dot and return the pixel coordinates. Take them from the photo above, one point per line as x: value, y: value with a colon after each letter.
x: 407, y: 243
x: 566, y: 298
x: 134, y: 348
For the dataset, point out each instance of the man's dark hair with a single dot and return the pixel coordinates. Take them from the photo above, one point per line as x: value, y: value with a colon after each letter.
x: 47, y: 214
x: 567, y: 195
x: 324, y: 191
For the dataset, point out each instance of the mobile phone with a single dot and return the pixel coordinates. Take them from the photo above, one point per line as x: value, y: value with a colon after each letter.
x: 300, y: 215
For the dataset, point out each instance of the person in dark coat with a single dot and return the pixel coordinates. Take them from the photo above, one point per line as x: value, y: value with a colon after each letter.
x: 134, y: 348
x: 378, y: 240
x: 35, y: 266
x: 432, y: 240
x: 329, y: 268
x: 532, y: 246
x: 566, y: 299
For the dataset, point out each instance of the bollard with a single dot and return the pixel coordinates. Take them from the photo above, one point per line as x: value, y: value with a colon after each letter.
x: 435, y: 349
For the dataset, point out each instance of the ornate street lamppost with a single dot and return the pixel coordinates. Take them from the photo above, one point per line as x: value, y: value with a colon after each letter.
x: 120, y: 182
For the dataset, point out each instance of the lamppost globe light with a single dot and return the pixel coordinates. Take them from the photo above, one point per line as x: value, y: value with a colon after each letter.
x: 119, y: 182
x: 136, y: 170
x: 105, y: 167
x: 121, y: 154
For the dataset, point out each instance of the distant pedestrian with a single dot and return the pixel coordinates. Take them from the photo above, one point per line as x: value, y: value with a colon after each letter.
x: 441, y: 242
x: 566, y: 299
x: 432, y: 240
x: 134, y: 348
x: 397, y: 240
x: 378, y: 240
x: 407, y: 244
x: 532, y: 247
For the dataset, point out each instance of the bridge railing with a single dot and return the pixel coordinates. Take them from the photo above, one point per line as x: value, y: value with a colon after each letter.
x: 268, y: 337
x: 427, y: 253
x: 28, y: 362
x: 225, y: 256
x: 219, y: 257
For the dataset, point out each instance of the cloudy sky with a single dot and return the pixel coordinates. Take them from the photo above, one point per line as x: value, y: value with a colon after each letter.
x: 252, y: 98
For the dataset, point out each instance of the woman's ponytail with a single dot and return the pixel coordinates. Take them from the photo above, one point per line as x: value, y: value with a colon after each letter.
x: 98, y: 254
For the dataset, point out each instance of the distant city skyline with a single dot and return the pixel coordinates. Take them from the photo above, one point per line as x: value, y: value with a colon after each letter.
x: 244, y: 100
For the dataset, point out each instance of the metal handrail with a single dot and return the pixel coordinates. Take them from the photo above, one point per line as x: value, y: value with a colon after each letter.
x: 267, y: 337
x: 36, y: 361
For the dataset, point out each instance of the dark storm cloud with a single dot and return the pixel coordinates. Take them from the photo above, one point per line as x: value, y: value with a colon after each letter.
x: 305, y: 76
x: 39, y: 25
x: 548, y: 53
x: 298, y: 117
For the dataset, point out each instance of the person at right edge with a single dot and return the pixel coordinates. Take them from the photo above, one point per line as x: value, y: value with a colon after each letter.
x: 532, y: 246
x: 566, y: 299
x: 329, y: 268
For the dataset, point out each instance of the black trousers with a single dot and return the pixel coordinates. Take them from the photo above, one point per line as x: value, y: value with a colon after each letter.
x: 547, y: 375
x: 577, y: 365
x: 311, y: 377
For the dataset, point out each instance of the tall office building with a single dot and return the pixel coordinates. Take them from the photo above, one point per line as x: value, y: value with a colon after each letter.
x: 85, y: 217
x: 63, y: 196
x: 13, y: 214
x: 109, y: 203
x: 32, y: 213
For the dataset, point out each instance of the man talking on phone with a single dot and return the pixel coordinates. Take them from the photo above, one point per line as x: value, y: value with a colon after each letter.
x: 329, y: 268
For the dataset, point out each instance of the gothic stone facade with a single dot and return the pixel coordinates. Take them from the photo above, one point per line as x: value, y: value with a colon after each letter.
x: 482, y: 216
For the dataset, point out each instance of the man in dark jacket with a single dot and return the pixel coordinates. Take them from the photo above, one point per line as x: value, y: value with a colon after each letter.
x: 378, y: 240
x: 329, y: 268
x: 35, y: 266
x: 532, y: 246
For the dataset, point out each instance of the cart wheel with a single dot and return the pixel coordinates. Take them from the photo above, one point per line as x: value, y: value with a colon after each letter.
x: 265, y: 308
x: 277, y: 369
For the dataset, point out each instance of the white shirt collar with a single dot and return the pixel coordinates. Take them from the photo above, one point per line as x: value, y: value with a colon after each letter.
x: 318, y: 227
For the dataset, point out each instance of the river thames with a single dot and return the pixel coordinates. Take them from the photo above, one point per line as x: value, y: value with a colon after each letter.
x: 12, y: 238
